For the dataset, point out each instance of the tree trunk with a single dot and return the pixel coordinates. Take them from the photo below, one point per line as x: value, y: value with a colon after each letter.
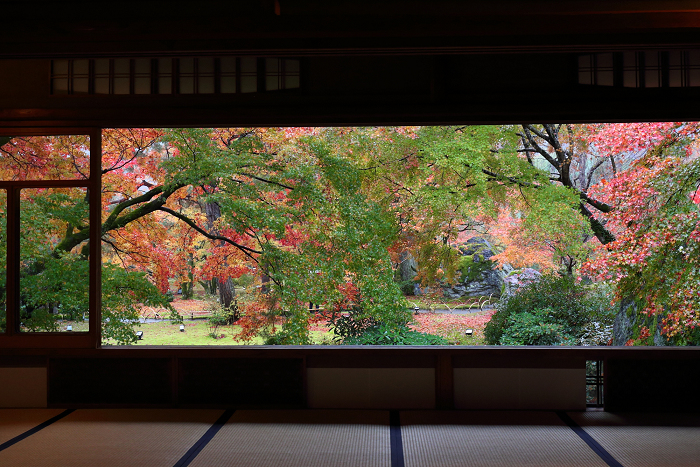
x: 227, y: 293
x: 560, y: 158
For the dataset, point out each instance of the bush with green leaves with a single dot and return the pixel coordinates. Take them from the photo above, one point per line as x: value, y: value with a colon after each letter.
x: 534, y: 328
x: 394, y: 335
x: 567, y: 312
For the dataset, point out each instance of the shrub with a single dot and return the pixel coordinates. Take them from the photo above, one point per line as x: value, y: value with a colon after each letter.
x: 351, y: 324
x: 245, y: 280
x: 553, y: 300
x: 533, y: 328
x: 169, y: 296
x: 407, y: 287
x: 386, y: 335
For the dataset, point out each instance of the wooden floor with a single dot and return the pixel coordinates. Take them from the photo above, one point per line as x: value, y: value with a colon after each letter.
x: 178, y: 437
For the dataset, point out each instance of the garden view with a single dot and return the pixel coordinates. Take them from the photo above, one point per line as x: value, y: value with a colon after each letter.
x: 535, y: 234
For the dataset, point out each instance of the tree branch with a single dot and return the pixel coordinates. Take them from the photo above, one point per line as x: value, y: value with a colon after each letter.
x: 247, y: 251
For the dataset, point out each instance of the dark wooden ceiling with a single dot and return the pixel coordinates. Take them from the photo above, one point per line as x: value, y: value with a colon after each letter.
x: 73, y: 28
x: 364, y: 62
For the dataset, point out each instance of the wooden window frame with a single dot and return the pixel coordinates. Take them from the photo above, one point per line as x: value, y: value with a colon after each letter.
x: 12, y: 338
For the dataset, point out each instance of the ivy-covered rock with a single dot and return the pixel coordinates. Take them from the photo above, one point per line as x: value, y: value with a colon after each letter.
x: 478, y: 275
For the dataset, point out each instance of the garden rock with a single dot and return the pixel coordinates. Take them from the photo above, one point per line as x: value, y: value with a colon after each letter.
x: 407, y: 266
x: 482, y: 278
x: 514, y: 280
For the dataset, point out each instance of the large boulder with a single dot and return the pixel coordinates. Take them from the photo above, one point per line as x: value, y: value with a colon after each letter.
x: 407, y: 266
x: 479, y: 277
x: 479, y: 248
x: 519, y: 278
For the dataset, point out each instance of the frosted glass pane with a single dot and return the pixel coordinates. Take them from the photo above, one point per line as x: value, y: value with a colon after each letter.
x: 81, y: 67
x: 102, y: 66
x: 165, y: 66
x: 291, y: 66
x: 142, y: 66
x: 651, y: 78
x: 604, y: 60
x: 605, y: 78
x: 205, y: 65
x: 142, y: 85
x: 121, y: 66
x: 694, y: 78
x: 206, y: 85
x: 121, y: 85
x: 60, y: 86
x: 228, y: 84
x: 80, y: 85
x: 165, y: 85
x: 187, y: 65
x: 60, y: 67
x: 272, y: 83
x: 249, y: 84
x: 249, y: 65
x: 228, y: 65
x: 101, y: 85
x: 291, y: 82
x: 186, y: 85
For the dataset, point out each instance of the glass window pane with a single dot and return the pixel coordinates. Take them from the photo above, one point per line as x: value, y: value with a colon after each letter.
x: 228, y: 65
x: 228, y: 75
x: 205, y: 66
x: 187, y: 65
x: 605, y: 78
x: 142, y: 85
x: 121, y: 85
x: 272, y: 83
x: 206, y: 85
x: 187, y: 74
x: 228, y: 84
x: 121, y: 66
x: 54, y: 260
x: 272, y: 65
x: 291, y: 82
x: 142, y: 76
x: 186, y: 85
x: 102, y: 66
x: 291, y: 66
x: 59, y: 76
x: 59, y: 85
x: 165, y: 85
x: 249, y: 74
x: 102, y: 85
x: 60, y: 67
x: 122, y: 69
x: 249, y: 84
x: 81, y: 67
x: 165, y: 73
x: 45, y: 158
x: 651, y: 78
x: 80, y: 86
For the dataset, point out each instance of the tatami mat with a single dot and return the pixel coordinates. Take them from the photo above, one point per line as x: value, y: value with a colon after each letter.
x: 645, y: 440
x: 110, y: 438
x: 492, y: 439
x: 14, y: 422
x: 303, y: 438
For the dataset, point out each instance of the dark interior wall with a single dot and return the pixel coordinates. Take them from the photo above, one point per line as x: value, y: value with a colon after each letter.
x: 360, y: 90
x: 364, y: 63
x: 636, y: 379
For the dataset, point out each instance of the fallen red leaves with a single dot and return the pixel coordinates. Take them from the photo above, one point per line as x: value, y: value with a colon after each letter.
x: 447, y: 324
